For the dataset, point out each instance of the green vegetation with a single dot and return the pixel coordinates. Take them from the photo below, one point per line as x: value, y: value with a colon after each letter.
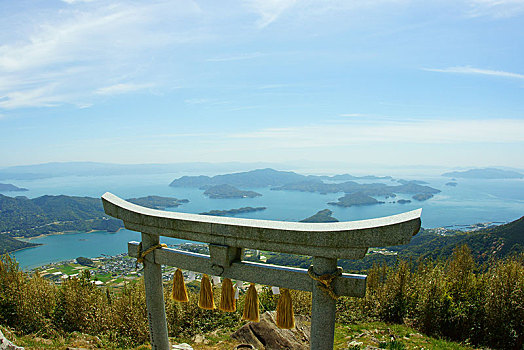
x: 422, y: 196
x: 221, y: 186
x: 388, y: 336
x: 254, y: 178
x: 499, y: 242
x: 228, y: 191
x: 374, y: 189
x: 451, y: 299
x: 24, y: 217
x: 158, y: 202
x: 85, y: 261
x: 8, y: 244
x: 347, y: 177
x: 355, y: 199
x: 233, y: 211
x: 321, y: 216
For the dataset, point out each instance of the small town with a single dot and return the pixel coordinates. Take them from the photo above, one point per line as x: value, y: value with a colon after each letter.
x: 115, y: 271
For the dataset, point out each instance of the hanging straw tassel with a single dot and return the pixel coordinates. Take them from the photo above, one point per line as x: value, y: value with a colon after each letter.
x: 251, y: 312
x: 285, y: 317
x: 227, y: 300
x: 179, y: 288
x: 206, y: 294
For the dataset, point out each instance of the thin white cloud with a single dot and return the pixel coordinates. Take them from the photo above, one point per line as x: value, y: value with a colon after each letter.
x: 44, y: 96
x: 356, y: 115
x: 122, y: 88
x: 414, y: 132
x: 82, y: 50
x: 269, y: 10
x: 247, y: 56
x: 477, y: 71
x: 71, y: 2
x: 206, y: 101
x: 496, y: 8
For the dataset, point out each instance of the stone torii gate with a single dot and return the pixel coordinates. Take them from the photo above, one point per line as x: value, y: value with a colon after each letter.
x: 227, y: 237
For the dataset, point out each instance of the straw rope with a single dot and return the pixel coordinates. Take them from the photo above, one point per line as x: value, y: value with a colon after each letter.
x: 142, y: 255
x: 325, y: 280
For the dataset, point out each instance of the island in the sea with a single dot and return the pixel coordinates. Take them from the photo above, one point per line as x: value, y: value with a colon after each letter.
x: 158, y: 202
x: 422, y: 196
x: 403, y: 201
x: 355, y: 199
x: 11, y: 188
x: 452, y: 184
x: 233, y: 211
x: 486, y: 173
x: 228, y: 191
x: 290, y: 181
x: 321, y: 216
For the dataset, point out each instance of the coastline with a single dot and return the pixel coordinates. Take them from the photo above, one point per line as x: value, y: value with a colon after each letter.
x: 28, y: 239
x: 19, y: 249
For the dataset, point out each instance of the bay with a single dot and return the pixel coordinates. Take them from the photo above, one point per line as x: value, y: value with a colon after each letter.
x: 471, y: 201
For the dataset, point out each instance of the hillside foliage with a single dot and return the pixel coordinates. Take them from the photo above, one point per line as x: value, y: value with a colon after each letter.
x: 452, y: 299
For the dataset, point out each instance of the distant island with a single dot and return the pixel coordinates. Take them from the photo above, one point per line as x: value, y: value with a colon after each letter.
x: 417, y: 182
x: 355, y: 199
x: 290, y: 181
x: 374, y: 189
x: 485, y: 173
x: 321, y: 216
x: 263, y: 178
x: 347, y: 177
x: 422, y: 196
x: 11, y: 188
x: 158, y: 202
x: 228, y: 191
x: 403, y: 201
x: 233, y: 211
x: 254, y: 178
x: 452, y: 184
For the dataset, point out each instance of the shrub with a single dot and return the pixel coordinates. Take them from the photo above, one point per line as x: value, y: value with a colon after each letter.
x: 452, y: 298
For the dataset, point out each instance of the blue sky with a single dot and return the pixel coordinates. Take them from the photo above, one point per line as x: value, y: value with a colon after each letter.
x: 364, y: 82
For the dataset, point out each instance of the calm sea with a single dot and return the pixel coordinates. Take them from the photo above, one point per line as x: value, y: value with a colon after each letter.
x: 472, y: 201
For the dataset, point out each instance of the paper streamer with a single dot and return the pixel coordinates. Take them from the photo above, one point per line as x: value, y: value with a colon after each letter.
x: 191, y: 276
x: 238, y: 285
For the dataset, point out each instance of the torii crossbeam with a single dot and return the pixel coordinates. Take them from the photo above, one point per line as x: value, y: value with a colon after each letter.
x: 227, y: 237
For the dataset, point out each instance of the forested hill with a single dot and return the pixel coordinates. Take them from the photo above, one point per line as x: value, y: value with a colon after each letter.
x: 24, y: 217
x: 496, y: 242
x: 493, y: 243
x: 8, y: 244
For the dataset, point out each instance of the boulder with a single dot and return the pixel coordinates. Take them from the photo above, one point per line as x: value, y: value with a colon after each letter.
x: 266, y: 335
x: 7, y: 345
x: 182, y: 346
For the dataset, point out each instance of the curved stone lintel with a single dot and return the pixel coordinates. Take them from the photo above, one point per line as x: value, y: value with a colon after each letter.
x: 334, y: 240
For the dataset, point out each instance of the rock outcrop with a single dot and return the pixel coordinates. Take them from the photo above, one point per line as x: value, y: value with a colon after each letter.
x: 266, y: 335
x: 7, y: 345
